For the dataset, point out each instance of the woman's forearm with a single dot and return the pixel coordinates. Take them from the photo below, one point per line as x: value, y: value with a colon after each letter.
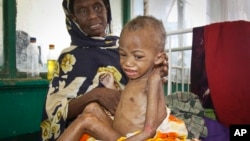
x: 77, y: 105
x: 108, y: 98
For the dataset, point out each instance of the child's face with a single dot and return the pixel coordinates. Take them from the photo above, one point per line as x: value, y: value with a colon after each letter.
x: 137, y: 53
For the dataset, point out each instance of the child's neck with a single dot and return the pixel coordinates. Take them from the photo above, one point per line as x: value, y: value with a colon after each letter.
x: 143, y: 79
x: 138, y: 83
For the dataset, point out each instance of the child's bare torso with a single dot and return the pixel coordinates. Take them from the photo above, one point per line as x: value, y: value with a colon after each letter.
x: 131, y: 111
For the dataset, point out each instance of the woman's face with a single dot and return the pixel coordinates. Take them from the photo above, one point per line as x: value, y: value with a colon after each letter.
x: 91, y: 16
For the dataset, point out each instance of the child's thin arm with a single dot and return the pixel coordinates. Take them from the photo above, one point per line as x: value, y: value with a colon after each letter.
x: 153, y: 97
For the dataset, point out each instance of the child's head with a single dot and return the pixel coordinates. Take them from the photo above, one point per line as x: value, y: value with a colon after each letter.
x: 142, y: 42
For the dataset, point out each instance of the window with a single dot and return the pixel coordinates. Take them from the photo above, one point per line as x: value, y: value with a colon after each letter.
x: 177, y: 15
x: 43, y: 19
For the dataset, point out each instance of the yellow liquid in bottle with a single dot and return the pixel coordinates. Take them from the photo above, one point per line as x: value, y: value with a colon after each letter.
x: 51, y: 64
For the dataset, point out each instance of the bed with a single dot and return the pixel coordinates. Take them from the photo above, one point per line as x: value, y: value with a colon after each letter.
x: 213, y: 68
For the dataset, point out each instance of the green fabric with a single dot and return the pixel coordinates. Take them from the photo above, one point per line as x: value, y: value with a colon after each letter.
x: 187, y: 106
x: 210, y: 114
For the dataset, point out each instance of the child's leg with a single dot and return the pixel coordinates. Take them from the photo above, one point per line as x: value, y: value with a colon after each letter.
x: 92, y: 121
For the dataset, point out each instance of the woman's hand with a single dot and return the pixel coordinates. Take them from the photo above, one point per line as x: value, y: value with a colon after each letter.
x: 164, y: 69
x: 108, y: 98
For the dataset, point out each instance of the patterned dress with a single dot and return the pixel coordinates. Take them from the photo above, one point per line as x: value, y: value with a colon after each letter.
x: 78, y: 69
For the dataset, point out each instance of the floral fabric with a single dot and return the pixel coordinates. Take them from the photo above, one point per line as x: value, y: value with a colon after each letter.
x: 78, y: 68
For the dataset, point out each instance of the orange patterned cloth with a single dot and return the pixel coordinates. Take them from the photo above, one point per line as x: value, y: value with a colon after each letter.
x: 171, y: 136
x: 171, y: 129
x: 86, y: 137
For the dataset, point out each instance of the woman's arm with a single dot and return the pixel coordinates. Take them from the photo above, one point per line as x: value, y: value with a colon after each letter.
x: 108, y: 98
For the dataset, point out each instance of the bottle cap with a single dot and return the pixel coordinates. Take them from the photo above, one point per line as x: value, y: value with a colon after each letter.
x: 51, y: 46
x: 32, y: 39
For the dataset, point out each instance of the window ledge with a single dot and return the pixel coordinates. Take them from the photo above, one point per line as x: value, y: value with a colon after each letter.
x: 23, y: 82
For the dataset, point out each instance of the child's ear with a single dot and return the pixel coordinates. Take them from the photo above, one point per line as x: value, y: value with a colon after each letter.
x: 160, y: 58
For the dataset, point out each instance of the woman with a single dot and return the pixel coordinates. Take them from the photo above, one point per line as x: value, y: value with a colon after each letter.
x: 76, y: 88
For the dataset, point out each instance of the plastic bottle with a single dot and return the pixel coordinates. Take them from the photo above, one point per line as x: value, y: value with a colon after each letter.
x: 51, y: 61
x: 32, y: 65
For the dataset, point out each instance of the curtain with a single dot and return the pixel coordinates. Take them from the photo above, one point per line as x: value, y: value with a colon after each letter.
x: 228, y: 10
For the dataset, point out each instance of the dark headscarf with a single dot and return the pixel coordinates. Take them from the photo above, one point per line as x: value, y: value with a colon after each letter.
x: 81, y: 39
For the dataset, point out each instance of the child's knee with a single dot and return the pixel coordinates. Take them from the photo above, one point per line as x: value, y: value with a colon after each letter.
x: 92, y: 107
x: 87, y: 120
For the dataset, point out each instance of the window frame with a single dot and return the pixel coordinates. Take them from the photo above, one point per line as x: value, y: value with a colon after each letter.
x: 9, y: 13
